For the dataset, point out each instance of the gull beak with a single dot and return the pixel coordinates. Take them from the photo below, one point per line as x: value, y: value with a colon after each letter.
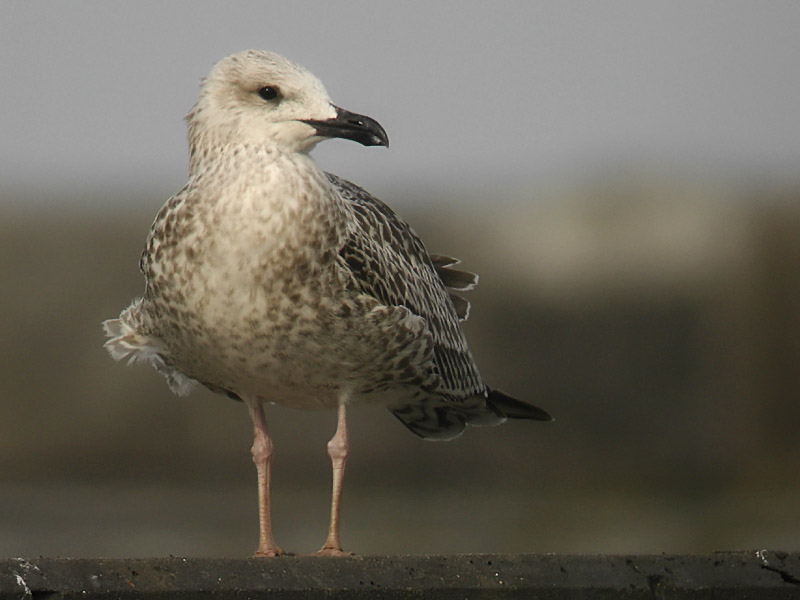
x: 351, y: 126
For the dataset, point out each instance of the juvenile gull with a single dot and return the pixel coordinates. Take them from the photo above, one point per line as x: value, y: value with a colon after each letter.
x: 269, y: 280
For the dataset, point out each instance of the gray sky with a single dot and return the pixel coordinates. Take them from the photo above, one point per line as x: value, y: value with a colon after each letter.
x: 94, y: 93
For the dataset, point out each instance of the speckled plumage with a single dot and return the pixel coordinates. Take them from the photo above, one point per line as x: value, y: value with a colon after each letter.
x: 271, y: 281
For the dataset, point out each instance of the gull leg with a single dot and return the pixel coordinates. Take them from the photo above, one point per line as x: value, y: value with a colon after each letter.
x: 262, y: 457
x: 337, y: 449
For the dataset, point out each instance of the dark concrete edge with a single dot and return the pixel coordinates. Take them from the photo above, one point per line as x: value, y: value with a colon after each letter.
x: 739, y: 574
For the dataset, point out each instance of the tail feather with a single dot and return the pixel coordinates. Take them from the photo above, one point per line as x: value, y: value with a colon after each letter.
x: 430, y: 419
x: 433, y: 418
x: 516, y: 409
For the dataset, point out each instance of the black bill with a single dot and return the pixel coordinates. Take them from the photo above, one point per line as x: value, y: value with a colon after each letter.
x: 351, y: 126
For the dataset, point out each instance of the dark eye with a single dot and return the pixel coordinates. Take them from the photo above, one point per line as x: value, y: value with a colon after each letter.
x: 269, y: 92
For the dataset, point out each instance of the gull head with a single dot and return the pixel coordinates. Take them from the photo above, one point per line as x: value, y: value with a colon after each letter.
x: 260, y: 98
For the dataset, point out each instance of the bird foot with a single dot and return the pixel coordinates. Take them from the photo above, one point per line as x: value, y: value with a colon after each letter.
x: 269, y: 552
x: 329, y: 551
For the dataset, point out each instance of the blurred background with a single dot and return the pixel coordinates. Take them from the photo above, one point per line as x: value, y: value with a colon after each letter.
x: 623, y: 175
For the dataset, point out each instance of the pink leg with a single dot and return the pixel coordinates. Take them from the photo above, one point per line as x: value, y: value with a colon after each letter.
x: 262, y: 457
x: 337, y: 449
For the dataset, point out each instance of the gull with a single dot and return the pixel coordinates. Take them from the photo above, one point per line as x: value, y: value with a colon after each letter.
x: 271, y: 281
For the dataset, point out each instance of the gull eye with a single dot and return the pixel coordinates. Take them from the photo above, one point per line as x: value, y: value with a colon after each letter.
x: 269, y: 93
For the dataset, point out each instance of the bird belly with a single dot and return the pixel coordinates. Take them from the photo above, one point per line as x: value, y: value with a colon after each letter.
x: 252, y: 300
x: 306, y: 349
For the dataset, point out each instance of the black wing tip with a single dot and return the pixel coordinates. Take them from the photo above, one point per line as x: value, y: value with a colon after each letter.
x: 516, y: 409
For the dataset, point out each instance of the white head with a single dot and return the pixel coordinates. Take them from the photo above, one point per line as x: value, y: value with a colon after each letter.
x: 261, y: 98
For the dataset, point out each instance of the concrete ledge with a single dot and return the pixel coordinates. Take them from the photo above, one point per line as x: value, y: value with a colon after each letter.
x: 731, y: 575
